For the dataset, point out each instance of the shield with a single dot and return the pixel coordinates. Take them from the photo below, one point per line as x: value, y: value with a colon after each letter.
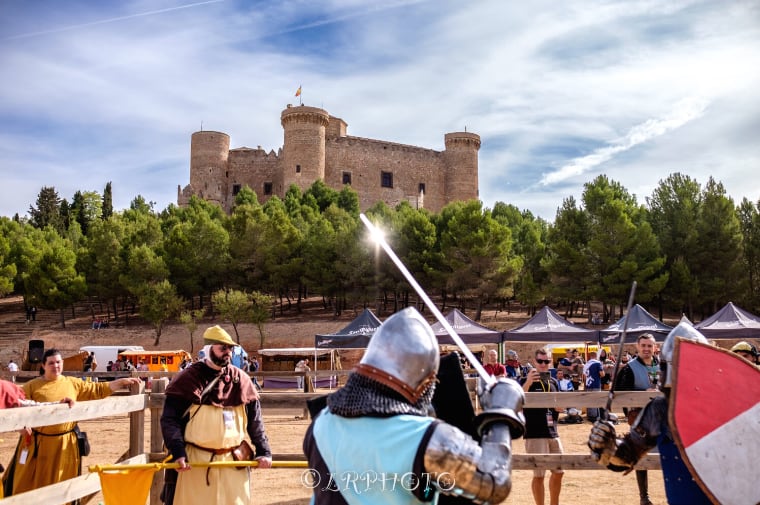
x: 714, y: 411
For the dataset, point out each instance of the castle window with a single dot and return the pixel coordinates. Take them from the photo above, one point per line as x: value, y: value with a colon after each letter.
x: 346, y: 177
x: 386, y: 179
x: 422, y: 188
x: 298, y: 169
x: 267, y: 188
x: 235, y: 189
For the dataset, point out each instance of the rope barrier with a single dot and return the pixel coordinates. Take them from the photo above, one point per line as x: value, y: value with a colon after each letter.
x: 198, y: 464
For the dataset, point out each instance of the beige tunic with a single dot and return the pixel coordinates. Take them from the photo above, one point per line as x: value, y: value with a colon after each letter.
x: 215, y: 428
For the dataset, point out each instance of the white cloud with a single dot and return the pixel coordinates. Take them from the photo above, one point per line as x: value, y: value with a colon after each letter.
x: 558, y: 91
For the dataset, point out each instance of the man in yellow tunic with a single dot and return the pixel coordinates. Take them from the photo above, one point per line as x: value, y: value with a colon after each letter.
x: 49, y: 454
x: 210, y: 407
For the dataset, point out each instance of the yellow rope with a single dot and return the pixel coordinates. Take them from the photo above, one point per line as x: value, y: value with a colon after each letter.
x: 200, y: 464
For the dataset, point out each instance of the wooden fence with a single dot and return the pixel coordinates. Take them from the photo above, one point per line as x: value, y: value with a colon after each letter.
x: 135, y: 404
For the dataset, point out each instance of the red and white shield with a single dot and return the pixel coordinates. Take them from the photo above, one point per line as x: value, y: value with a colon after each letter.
x: 715, y: 418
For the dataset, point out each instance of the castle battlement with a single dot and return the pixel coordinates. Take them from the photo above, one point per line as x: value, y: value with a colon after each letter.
x: 316, y: 146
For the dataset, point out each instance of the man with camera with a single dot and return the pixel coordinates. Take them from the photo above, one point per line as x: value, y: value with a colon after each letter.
x: 541, y: 434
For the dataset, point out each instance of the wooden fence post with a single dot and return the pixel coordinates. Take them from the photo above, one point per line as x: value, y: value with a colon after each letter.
x: 156, y: 437
x: 137, y: 425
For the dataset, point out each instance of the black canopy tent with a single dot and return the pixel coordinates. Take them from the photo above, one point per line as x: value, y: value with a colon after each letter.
x: 467, y: 329
x: 639, y: 321
x: 354, y: 336
x: 730, y: 322
x: 548, y: 326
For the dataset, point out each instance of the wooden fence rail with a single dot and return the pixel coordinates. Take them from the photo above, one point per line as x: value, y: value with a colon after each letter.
x: 135, y: 405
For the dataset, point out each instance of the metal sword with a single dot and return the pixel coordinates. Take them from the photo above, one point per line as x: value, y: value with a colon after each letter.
x: 378, y: 237
x: 620, y: 351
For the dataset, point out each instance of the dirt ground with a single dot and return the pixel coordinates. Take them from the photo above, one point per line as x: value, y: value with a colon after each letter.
x: 109, y: 436
x: 109, y: 440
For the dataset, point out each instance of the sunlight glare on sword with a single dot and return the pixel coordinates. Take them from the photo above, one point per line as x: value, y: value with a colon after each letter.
x: 379, y: 238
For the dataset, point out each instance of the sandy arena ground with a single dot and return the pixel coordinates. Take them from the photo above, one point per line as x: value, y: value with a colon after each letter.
x: 109, y: 440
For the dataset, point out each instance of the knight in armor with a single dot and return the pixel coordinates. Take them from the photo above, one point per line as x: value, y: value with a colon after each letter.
x: 651, y: 429
x: 376, y: 441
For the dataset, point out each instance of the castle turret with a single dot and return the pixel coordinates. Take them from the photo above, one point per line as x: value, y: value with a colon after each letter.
x: 209, y: 152
x: 461, y: 155
x: 303, y: 152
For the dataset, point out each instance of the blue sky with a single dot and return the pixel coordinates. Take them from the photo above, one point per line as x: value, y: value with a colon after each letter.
x: 559, y: 92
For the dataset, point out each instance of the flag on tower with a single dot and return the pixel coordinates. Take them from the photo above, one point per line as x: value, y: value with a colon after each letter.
x: 298, y: 91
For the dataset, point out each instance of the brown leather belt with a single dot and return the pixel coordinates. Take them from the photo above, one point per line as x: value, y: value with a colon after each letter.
x: 216, y: 452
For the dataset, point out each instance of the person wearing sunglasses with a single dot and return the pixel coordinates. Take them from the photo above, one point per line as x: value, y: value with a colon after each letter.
x: 211, y: 408
x: 541, y: 434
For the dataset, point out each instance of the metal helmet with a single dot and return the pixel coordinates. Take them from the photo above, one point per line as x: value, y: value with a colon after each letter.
x: 685, y: 331
x: 403, y: 355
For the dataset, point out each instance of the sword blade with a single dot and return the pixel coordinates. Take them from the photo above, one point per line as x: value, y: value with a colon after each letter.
x: 378, y: 237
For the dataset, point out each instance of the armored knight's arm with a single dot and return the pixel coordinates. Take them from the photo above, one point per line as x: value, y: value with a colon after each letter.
x: 622, y: 454
x: 480, y: 472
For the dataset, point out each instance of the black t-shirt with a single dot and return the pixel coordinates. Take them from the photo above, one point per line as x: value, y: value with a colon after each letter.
x: 536, y: 425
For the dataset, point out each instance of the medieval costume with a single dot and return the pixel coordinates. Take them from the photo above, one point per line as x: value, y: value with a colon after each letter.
x: 651, y: 429
x: 375, y: 442
x: 51, y: 454
x: 208, y: 412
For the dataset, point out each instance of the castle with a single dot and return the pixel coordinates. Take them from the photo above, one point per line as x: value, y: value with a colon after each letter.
x: 316, y: 146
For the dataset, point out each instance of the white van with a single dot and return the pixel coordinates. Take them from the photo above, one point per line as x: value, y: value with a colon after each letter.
x: 106, y: 353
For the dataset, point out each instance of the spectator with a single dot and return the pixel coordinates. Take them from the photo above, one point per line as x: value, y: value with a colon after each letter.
x: 34, y: 313
x: 746, y: 351
x: 541, y: 436
x: 639, y: 374
x: 302, y: 366
x: 90, y: 363
x: 512, y: 364
x: 209, y: 410
x: 13, y: 369
x: 492, y: 366
x: 593, y: 373
x: 254, y: 369
x: 49, y: 454
x: 564, y: 383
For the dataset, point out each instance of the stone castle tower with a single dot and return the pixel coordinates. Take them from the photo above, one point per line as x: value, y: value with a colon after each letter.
x: 316, y: 146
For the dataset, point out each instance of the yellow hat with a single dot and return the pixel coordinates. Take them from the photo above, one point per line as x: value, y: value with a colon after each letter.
x: 217, y: 335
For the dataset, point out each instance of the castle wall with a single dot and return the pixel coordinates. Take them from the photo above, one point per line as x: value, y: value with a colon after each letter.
x: 366, y: 159
x: 315, y: 146
x: 256, y: 169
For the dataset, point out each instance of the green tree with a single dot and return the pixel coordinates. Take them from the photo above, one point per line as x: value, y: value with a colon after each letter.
x: 234, y: 306
x: 197, y: 249
x: 749, y: 219
x: 262, y: 304
x: 86, y: 208
x: 107, y: 205
x: 7, y: 266
x: 159, y: 303
x: 719, y: 268
x: 46, y: 211
x: 570, y: 273
x: 621, y: 247
x: 53, y: 282
x: 106, y: 262
x: 529, y: 243
x: 190, y: 318
x: 673, y: 210
x: 477, y: 249
x: 282, y: 252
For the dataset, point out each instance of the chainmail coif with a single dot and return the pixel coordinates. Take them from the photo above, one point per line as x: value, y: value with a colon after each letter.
x: 362, y: 396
